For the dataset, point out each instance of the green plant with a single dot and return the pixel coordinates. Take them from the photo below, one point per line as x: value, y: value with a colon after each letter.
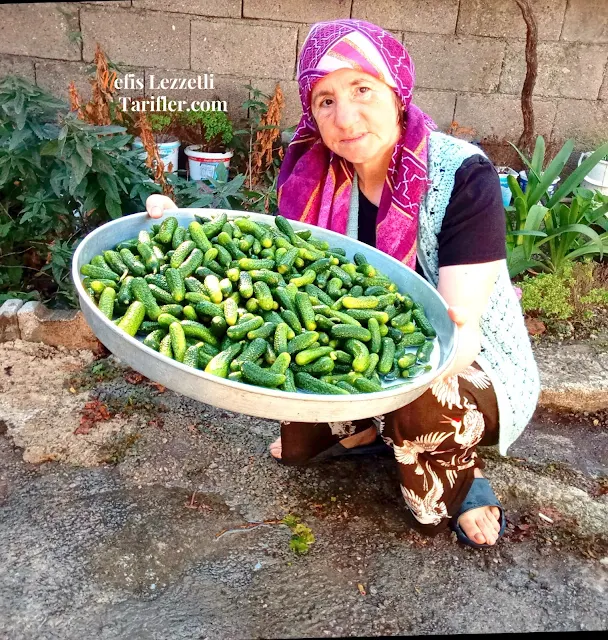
x: 212, y: 130
x: 59, y: 179
x: 302, y: 536
x: 544, y: 231
x: 215, y: 193
x: 574, y: 292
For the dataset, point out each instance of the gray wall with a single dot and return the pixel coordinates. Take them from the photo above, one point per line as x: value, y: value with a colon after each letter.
x: 469, y: 54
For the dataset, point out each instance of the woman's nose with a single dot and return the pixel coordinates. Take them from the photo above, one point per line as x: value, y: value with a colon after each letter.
x: 345, y: 114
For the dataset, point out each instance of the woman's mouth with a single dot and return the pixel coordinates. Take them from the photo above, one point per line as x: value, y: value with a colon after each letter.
x: 354, y: 139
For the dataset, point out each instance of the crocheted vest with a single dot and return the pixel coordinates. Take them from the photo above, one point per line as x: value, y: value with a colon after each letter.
x: 506, y: 353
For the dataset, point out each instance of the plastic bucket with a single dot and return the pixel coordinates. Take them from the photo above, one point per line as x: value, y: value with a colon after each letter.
x: 168, y: 152
x: 503, y: 172
x: 203, y: 165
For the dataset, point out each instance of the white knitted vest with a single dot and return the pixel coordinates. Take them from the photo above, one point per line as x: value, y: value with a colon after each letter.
x: 506, y: 353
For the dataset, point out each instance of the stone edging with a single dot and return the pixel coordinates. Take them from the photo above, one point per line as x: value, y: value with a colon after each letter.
x: 574, y: 377
x: 34, y: 322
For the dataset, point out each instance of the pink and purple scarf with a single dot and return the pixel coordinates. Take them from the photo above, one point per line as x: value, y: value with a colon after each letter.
x: 315, y: 184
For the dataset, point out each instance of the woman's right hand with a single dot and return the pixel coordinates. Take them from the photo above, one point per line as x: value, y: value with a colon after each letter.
x: 156, y: 205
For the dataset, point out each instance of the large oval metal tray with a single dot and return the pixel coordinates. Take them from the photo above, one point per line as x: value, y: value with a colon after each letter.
x: 249, y: 399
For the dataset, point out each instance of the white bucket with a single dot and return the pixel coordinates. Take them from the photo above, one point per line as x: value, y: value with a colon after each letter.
x: 587, y: 183
x: 202, y: 165
x: 168, y: 152
x: 598, y: 176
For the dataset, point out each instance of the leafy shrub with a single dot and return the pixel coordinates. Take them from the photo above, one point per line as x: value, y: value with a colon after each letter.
x: 59, y: 179
x: 569, y: 294
x: 543, y: 231
x: 210, y: 129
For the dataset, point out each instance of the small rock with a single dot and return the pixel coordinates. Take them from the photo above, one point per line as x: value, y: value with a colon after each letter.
x: 373, y: 591
x: 604, y: 561
x: 213, y: 465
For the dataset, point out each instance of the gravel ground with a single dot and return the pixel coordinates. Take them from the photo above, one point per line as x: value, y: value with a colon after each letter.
x: 142, y: 527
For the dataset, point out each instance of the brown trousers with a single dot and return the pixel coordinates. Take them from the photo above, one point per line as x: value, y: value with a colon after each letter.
x: 434, y: 441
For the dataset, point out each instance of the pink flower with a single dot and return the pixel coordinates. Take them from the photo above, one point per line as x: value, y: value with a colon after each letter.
x: 517, y: 292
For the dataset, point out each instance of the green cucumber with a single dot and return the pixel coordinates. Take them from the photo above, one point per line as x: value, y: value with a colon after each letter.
x: 262, y: 377
x: 307, y: 382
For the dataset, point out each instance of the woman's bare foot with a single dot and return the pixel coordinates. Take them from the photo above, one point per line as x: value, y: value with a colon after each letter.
x: 357, y: 440
x: 482, y: 524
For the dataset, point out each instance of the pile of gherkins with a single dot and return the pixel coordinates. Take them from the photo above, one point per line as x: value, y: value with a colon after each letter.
x: 262, y: 304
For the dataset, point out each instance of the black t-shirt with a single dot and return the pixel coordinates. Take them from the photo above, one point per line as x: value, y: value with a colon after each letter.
x: 473, y: 228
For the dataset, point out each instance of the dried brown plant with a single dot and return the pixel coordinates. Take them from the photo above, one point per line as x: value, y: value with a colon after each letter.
x: 265, y: 139
x: 75, y: 100
x: 153, y: 160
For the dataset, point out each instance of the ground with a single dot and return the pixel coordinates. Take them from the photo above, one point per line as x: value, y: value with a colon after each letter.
x: 142, y: 525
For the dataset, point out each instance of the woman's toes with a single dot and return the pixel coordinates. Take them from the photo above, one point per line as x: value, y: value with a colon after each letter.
x: 485, y: 524
x: 276, y: 449
x: 471, y: 529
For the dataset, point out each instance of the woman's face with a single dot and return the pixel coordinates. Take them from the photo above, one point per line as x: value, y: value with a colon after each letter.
x: 357, y: 114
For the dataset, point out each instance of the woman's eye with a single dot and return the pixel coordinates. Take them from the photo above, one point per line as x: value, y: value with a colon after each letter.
x: 363, y: 89
x: 326, y: 102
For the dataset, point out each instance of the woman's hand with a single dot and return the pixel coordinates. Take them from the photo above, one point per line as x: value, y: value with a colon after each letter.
x: 156, y: 205
x: 469, y: 341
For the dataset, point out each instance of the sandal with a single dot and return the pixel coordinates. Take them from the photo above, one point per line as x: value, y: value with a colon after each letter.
x: 480, y: 495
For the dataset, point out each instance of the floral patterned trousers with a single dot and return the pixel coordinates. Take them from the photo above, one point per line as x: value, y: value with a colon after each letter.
x: 434, y: 442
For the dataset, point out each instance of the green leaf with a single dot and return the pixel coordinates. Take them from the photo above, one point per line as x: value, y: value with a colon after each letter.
x: 113, y: 207
x: 518, y: 263
x: 522, y: 232
x: 576, y: 228
x: 85, y: 153
x: 552, y: 172
x: 79, y: 170
x: 533, y: 221
x: 51, y: 148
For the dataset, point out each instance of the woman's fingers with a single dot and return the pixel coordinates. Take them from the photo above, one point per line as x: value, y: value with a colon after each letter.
x: 458, y: 315
x: 157, y: 204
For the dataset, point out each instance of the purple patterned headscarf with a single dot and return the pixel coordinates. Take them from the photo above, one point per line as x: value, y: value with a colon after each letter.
x: 315, y: 184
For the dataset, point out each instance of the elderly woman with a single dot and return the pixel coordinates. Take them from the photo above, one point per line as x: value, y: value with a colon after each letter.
x: 367, y: 163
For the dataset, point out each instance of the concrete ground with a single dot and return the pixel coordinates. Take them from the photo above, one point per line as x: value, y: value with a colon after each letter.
x: 143, y: 525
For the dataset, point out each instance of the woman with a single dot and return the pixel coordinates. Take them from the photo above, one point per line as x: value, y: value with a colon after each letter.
x: 366, y: 162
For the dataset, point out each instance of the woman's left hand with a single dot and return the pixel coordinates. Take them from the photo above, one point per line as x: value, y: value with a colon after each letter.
x: 469, y: 341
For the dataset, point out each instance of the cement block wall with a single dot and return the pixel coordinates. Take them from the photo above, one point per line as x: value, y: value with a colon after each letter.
x: 469, y: 54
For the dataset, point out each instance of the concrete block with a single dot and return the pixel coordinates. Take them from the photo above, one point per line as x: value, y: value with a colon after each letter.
x: 55, y: 77
x: 503, y: 19
x: 41, y: 30
x: 295, y: 11
x: 455, y: 64
x: 137, y: 38
x: 586, y: 21
x: 14, y: 66
x: 292, y: 112
x: 573, y: 377
x: 583, y: 120
x: 439, y: 105
x: 225, y: 9
x: 438, y: 16
x: 229, y: 88
x: 500, y: 115
x: 565, y: 70
x: 231, y: 48
x: 55, y: 327
x: 9, y: 323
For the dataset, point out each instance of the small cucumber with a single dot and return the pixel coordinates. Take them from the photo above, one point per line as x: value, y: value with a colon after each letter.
x: 98, y: 273
x: 134, y: 265
x: 302, y: 341
x: 213, y: 287
x: 376, y: 339
x: 422, y: 321
x: 310, y: 355
x: 239, y: 331
x: 387, y: 356
x: 305, y: 311
x: 106, y: 302
x: 167, y: 228
x: 198, y: 236
x: 262, y: 377
x: 219, y: 365
x: 141, y: 292
x: 197, y: 330
x: 360, y: 353
x: 307, y: 382
x: 345, y: 331
x: 178, y: 341
x: 181, y: 253
x: 154, y: 338
x: 133, y: 318
x: 416, y: 339
x: 423, y: 354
